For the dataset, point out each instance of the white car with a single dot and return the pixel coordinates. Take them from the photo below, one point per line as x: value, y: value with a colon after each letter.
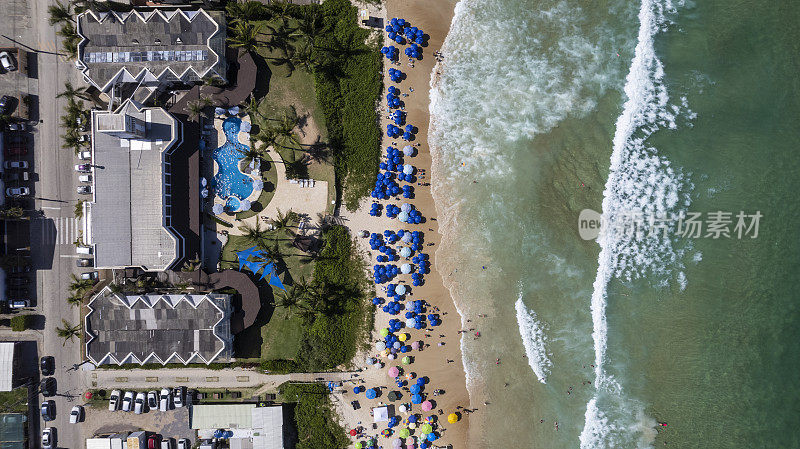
x: 177, y: 396
x: 166, y: 443
x: 17, y: 191
x: 163, y: 404
x: 7, y: 62
x: 113, y: 401
x: 85, y: 155
x: 76, y: 415
x: 16, y: 164
x: 127, y: 401
x: 152, y: 400
x: 138, y: 406
x: 83, y: 250
x: 83, y: 168
x: 184, y: 443
x: 90, y: 276
x: 85, y: 178
x: 48, y: 438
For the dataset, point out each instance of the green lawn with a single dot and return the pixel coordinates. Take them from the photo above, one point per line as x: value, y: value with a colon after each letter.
x: 15, y: 400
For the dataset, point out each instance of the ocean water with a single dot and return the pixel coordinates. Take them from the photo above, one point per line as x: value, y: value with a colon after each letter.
x: 642, y: 110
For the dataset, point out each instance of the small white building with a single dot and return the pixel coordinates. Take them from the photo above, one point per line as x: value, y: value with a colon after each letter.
x: 6, y: 366
x: 252, y: 427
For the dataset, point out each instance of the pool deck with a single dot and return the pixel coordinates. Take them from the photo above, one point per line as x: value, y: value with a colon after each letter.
x: 307, y: 202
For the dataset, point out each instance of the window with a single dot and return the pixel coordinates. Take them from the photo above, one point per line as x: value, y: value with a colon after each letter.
x: 145, y: 56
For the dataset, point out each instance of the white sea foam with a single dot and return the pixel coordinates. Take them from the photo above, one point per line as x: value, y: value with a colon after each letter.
x: 534, y: 340
x: 640, y: 181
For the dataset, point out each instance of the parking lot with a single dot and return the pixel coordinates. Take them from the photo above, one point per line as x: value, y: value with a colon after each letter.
x: 170, y: 424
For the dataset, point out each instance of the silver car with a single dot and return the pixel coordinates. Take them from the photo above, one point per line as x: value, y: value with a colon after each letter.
x: 113, y: 401
x: 49, y: 438
x: 7, y: 62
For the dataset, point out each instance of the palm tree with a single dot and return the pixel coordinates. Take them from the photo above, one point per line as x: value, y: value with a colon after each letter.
x: 281, y: 38
x: 303, y: 57
x: 244, y: 35
x: 195, y: 109
x: 252, y: 10
x: 59, y: 13
x: 75, y: 300
x: 255, y: 234
x: 71, y: 92
x: 308, y: 24
x: 274, y: 253
x: 282, y: 220
x: 286, y: 126
x: 72, y: 140
x: 68, y: 332
x: 78, y: 285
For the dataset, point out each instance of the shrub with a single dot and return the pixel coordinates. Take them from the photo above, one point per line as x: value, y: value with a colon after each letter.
x: 20, y: 323
x: 316, y: 427
x: 280, y: 366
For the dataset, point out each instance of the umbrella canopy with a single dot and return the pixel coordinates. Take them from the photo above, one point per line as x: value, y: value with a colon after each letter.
x: 412, y: 418
x: 415, y: 389
x: 217, y: 209
x: 380, y: 346
x: 408, y: 150
x: 427, y: 406
x: 87, y: 395
x: 204, y: 193
x: 397, y: 442
x: 406, y: 360
x: 359, y: 445
x: 245, y: 205
x: 405, y: 207
x: 432, y: 437
x: 426, y: 428
x: 408, y: 169
x: 452, y: 418
x: 405, y: 252
x: 404, y: 433
x: 384, y: 332
x: 393, y: 372
x: 370, y: 360
x: 402, y: 337
x: 403, y: 216
x: 409, y: 376
x: 402, y: 408
x: 353, y: 432
x: 415, y: 345
x: 406, y: 267
x: 416, y: 399
x: 393, y: 396
x: 400, y: 290
x: 371, y: 394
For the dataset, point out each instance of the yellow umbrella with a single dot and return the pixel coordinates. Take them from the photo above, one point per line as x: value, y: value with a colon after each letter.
x: 452, y: 418
x: 402, y: 337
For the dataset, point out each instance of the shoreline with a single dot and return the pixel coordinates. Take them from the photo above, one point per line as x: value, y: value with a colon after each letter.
x: 442, y: 365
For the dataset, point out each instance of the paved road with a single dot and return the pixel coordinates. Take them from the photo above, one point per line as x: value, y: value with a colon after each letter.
x: 25, y: 24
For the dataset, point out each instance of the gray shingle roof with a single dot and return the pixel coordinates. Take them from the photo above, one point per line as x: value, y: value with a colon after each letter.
x: 158, y: 328
x: 120, y: 34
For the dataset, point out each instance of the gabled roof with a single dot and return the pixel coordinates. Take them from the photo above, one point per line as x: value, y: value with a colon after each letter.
x: 118, y: 35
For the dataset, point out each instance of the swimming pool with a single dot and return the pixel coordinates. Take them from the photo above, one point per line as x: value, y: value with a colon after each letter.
x: 229, y: 182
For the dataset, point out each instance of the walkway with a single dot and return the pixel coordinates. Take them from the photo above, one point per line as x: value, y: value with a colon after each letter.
x: 200, y: 378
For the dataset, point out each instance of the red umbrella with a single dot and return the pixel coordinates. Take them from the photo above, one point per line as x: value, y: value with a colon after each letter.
x: 353, y: 432
x: 88, y: 395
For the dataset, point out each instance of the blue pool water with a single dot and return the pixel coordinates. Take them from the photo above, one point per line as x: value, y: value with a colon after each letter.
x: 230, y: 182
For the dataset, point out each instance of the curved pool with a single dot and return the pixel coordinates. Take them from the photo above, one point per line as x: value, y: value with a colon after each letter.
x: 229, y: 181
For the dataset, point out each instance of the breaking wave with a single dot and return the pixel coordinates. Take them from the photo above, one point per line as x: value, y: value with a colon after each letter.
x: 533, y: 339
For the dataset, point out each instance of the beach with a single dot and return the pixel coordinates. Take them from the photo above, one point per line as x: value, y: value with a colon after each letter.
x: 439, y: 361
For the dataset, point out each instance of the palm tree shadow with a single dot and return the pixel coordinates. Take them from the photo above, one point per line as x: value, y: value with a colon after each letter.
x: 263, y: 76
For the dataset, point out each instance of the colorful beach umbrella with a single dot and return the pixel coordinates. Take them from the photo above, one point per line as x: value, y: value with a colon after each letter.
x: 384, y: 332
x: 380, y: 346
x: 416, y: 399
x: 426, y: 428
x: 359, y: 445
x: 404, y: 433
x: 402, y: 337
x: 406, y: 360
x: 353, y: 432
x: 393, y: 372
x: 371, y: 394
x: 427, y: 406
x: 452, y: 418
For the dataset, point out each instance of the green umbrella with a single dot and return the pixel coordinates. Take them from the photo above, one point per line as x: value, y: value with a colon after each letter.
x: 406, y: 360
x: 426, y: 428
x: 404, y: 433
x: 384, y: 332
x: 359, y: 445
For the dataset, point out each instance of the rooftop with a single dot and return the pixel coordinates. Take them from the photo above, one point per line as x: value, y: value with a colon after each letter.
x: 154, y: 46
x: 253, y: 427
x: 6, y: 365
x: 158, y: 328
x: 129, y: 217
x: 12, y: 434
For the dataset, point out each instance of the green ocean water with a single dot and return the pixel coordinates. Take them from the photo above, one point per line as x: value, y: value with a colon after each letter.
x: 702, y: 334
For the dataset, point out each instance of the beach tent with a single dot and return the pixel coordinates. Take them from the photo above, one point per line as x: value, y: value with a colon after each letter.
x: 380, y: 414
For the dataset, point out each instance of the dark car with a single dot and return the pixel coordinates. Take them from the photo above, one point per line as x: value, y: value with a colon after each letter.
x: 48, y: 410
x: 48, y: 365
x: 154, y: 441
x: 48, y: 386
x: 15, y: 281
x: 15, y: 150
x: 6, y: 105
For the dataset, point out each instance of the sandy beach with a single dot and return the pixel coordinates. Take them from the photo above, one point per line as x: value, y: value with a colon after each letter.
x: 439, y: 360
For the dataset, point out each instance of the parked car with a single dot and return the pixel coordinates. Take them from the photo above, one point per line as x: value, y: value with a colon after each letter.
x: 83, y: 249
x: 84, y: 190
x: 85, y: 155
x: 84, y: 138
x: 76, y: 415
x: 16, y: 139
x: 83, y: 262
x: 152, y: 400
x: 6, y: 105
x: 48, y: 386
x: 90, y: 276
x: 153, y: 441
x: 48, y: 410
x: 166, y: 444
x: 17, y: 126
x: 20, y: 269
x: 19, y: 304
x: 7, y: 62
x: 17, y: 281
x: 138, y: 405
x: 163, y: 404
x: 17, y: 191
x: 85, y: 178
x: 177, y: 396
x: 83, y: 168
x: 184, y: 443
x: 15, y: 176
x: 49, y: 438
x: 16, y: 164
x: 127, y: 401
x: 113, y: 401
x: 48, y: 365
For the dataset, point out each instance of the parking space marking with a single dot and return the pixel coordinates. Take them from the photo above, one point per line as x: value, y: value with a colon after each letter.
x: 151, y: 379
x: 212, y: 379
x: 242, y: 378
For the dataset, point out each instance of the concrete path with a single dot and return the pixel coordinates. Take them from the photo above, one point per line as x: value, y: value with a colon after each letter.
x: 199, y: 378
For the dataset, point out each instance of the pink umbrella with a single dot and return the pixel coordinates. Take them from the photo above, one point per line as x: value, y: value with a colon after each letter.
x: 427, y: 406
x: 410, y: 441
x: 394, y: 372
x: 415, y: 345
